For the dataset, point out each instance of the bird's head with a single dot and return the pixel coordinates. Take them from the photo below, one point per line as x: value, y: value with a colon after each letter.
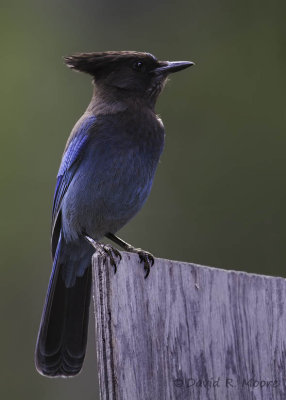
x: 130, y: 73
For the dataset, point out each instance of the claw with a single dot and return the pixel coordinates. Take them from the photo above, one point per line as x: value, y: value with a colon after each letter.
x: 148, y: 260
x: 112, y: 252
x: 144, y: 256
x: 147, y: 269
x: 105, y: 252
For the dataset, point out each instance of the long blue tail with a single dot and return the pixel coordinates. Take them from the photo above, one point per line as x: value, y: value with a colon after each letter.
x: 62, y: 338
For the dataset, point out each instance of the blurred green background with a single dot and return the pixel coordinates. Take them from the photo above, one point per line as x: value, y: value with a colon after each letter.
x: 219, y: 194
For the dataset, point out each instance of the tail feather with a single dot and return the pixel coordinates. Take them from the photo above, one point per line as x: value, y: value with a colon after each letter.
x: 62, y: 338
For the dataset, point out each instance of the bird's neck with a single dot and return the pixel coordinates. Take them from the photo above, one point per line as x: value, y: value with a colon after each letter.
x: 112, y: 101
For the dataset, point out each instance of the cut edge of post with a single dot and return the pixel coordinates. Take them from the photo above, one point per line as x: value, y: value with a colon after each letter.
x: 102, y: 310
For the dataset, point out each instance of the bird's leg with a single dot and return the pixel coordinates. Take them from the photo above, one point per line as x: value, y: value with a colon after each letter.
x: 145, y: 257
x: 105, y: 251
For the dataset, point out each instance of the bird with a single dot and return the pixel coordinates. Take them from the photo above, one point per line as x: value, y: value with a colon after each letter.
x: 105, y: 176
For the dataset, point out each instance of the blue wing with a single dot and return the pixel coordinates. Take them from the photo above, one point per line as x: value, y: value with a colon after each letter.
x: 69, y: 164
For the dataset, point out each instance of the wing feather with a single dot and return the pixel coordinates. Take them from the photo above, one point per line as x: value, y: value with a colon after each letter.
x: 69, y: 164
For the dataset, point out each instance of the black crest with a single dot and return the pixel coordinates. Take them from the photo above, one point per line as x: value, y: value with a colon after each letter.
x: 97, y: 63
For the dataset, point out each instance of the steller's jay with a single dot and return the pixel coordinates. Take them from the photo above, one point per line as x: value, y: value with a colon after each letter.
x: 105, y: 176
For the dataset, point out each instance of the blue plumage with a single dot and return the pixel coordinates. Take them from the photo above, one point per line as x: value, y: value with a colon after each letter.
x: 105, y: 176
x: 70, y: 160
x: 114, y: 178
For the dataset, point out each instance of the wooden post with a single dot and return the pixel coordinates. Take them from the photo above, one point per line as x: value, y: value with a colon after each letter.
x: 189, y: 332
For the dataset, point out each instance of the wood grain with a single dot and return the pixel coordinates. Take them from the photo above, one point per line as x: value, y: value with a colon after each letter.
x: 189, y: 332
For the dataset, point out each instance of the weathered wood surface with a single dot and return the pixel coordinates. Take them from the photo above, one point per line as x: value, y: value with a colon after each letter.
x: 189, y: 332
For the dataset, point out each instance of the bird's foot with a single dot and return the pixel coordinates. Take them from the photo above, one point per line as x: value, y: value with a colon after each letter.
x: 112, y: 253
x: 106, y: 252
x: 145, y: 257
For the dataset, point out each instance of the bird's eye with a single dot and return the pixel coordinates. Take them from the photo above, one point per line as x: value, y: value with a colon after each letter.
x: 138, y: 66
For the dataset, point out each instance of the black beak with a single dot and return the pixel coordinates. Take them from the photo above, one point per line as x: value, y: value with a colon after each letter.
x: 168, y: 67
